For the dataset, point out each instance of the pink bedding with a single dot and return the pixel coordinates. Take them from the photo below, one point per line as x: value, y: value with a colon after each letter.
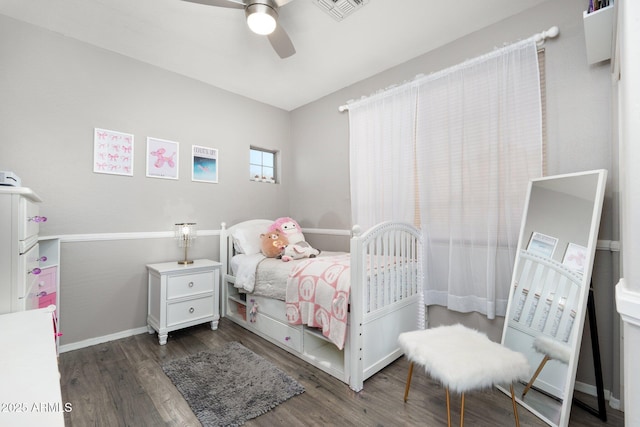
x: 318, y: 296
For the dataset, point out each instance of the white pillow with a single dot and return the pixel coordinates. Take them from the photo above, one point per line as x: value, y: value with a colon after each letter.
x: 246, y: 240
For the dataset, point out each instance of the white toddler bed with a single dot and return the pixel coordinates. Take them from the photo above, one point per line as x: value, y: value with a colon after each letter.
x: 385, y: 298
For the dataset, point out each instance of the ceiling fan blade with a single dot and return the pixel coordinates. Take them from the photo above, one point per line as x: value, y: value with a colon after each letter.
x: 233, y: 4
x: 281, y: 43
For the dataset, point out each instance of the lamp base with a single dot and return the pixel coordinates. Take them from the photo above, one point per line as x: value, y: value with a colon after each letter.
x: 185, y: 262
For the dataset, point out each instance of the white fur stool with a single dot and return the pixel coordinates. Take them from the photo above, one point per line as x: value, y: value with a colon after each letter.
x: 462, y: 360
x: 552, y: 349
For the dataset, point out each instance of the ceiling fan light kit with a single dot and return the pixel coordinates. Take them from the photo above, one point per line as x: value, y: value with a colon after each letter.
x: 261, y: 18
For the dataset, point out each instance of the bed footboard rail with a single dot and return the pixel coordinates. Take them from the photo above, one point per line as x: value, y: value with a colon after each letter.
x: 388, y: 262
x: 386, y: 289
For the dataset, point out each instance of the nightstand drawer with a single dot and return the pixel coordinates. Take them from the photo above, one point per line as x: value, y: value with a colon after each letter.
x: 179, y: 286
x: 186, y: 311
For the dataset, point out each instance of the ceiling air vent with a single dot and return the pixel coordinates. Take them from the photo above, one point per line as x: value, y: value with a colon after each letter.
x: 340, y: 9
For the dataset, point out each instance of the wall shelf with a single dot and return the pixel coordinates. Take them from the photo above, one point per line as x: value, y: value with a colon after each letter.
x: 598, y: 33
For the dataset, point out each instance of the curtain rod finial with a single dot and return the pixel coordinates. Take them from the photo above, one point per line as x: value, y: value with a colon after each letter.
x: 551, y: 32
x: 548, y: 34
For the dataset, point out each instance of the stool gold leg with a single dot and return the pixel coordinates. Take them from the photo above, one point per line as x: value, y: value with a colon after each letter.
x: 448, y: 408
x: 406, y: 388
x: 462, y: 411
x: 515, y: 406
x: 535, y: 375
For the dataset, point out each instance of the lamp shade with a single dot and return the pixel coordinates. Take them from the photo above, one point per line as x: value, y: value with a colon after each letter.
x: 261, y: 18
x: 185, y: 233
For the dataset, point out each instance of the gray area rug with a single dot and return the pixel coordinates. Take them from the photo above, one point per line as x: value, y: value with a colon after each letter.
x: 230, y: 385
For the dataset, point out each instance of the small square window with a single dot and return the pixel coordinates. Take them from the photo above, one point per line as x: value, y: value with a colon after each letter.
x: 262, y: 165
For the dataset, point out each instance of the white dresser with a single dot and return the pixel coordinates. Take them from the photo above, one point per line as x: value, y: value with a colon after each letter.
x: 182, y: 295
x: 30, y: 392
x: 19, y: 249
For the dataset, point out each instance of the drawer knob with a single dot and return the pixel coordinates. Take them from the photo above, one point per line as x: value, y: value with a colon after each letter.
x: 42, y: 259
x: 191, y: 284
x: 38, y: 219
x: 35, y: 271
x: 191, y: 310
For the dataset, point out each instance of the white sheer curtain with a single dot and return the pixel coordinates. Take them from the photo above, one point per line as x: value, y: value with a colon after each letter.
x: 382, y: 158
x: 475, y: 131
x: 479, y: 137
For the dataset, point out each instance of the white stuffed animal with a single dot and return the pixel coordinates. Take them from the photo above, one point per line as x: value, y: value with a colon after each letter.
x: 299, y: 250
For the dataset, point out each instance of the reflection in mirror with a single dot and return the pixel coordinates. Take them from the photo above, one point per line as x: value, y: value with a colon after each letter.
x: 549, y: 288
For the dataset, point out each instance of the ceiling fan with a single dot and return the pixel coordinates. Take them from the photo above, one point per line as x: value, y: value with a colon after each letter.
x: 262, y: 17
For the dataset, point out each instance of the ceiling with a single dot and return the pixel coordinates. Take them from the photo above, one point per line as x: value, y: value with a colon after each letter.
x: 215, y: 46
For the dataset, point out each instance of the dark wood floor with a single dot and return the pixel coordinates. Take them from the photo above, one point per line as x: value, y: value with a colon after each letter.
x: 121, y: 383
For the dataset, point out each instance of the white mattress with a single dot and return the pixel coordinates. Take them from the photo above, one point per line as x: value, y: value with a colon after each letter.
x: 271, y: 274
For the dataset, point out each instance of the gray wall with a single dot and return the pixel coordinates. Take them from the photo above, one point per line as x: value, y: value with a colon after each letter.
x: 579, y: 138
x: 54, y: 91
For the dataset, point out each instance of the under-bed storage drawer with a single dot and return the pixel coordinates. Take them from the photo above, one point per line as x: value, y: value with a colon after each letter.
x: 291, y: 336
x: 273, y: 308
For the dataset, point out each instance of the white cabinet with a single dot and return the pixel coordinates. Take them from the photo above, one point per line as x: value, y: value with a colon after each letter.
x: 182, y: 295
x: 19, y: 249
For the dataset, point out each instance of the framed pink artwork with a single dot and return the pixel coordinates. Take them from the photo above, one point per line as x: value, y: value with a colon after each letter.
x: 112, y: 152
x: 162, y: 158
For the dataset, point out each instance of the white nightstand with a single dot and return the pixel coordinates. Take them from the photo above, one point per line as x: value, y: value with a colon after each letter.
x: 183, y: 295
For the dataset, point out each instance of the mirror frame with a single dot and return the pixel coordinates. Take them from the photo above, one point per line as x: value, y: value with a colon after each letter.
x: 576, y: 339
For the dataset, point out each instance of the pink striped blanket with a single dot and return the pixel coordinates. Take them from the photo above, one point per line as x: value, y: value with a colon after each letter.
x: 318, y: 296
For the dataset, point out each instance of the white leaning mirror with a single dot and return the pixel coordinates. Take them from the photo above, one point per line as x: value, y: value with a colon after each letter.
x: 550, y: 287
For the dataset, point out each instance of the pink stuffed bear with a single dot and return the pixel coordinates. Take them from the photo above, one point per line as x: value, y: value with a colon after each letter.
x: 289, y: 228
x: 297, y: 247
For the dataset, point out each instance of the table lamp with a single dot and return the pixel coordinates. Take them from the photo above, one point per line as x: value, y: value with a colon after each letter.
x: 185, y: 233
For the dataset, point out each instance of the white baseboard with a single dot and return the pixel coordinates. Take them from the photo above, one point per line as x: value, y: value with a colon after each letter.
x: 99, y: 340
x: 591, y: 390
x: 615, y: 403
